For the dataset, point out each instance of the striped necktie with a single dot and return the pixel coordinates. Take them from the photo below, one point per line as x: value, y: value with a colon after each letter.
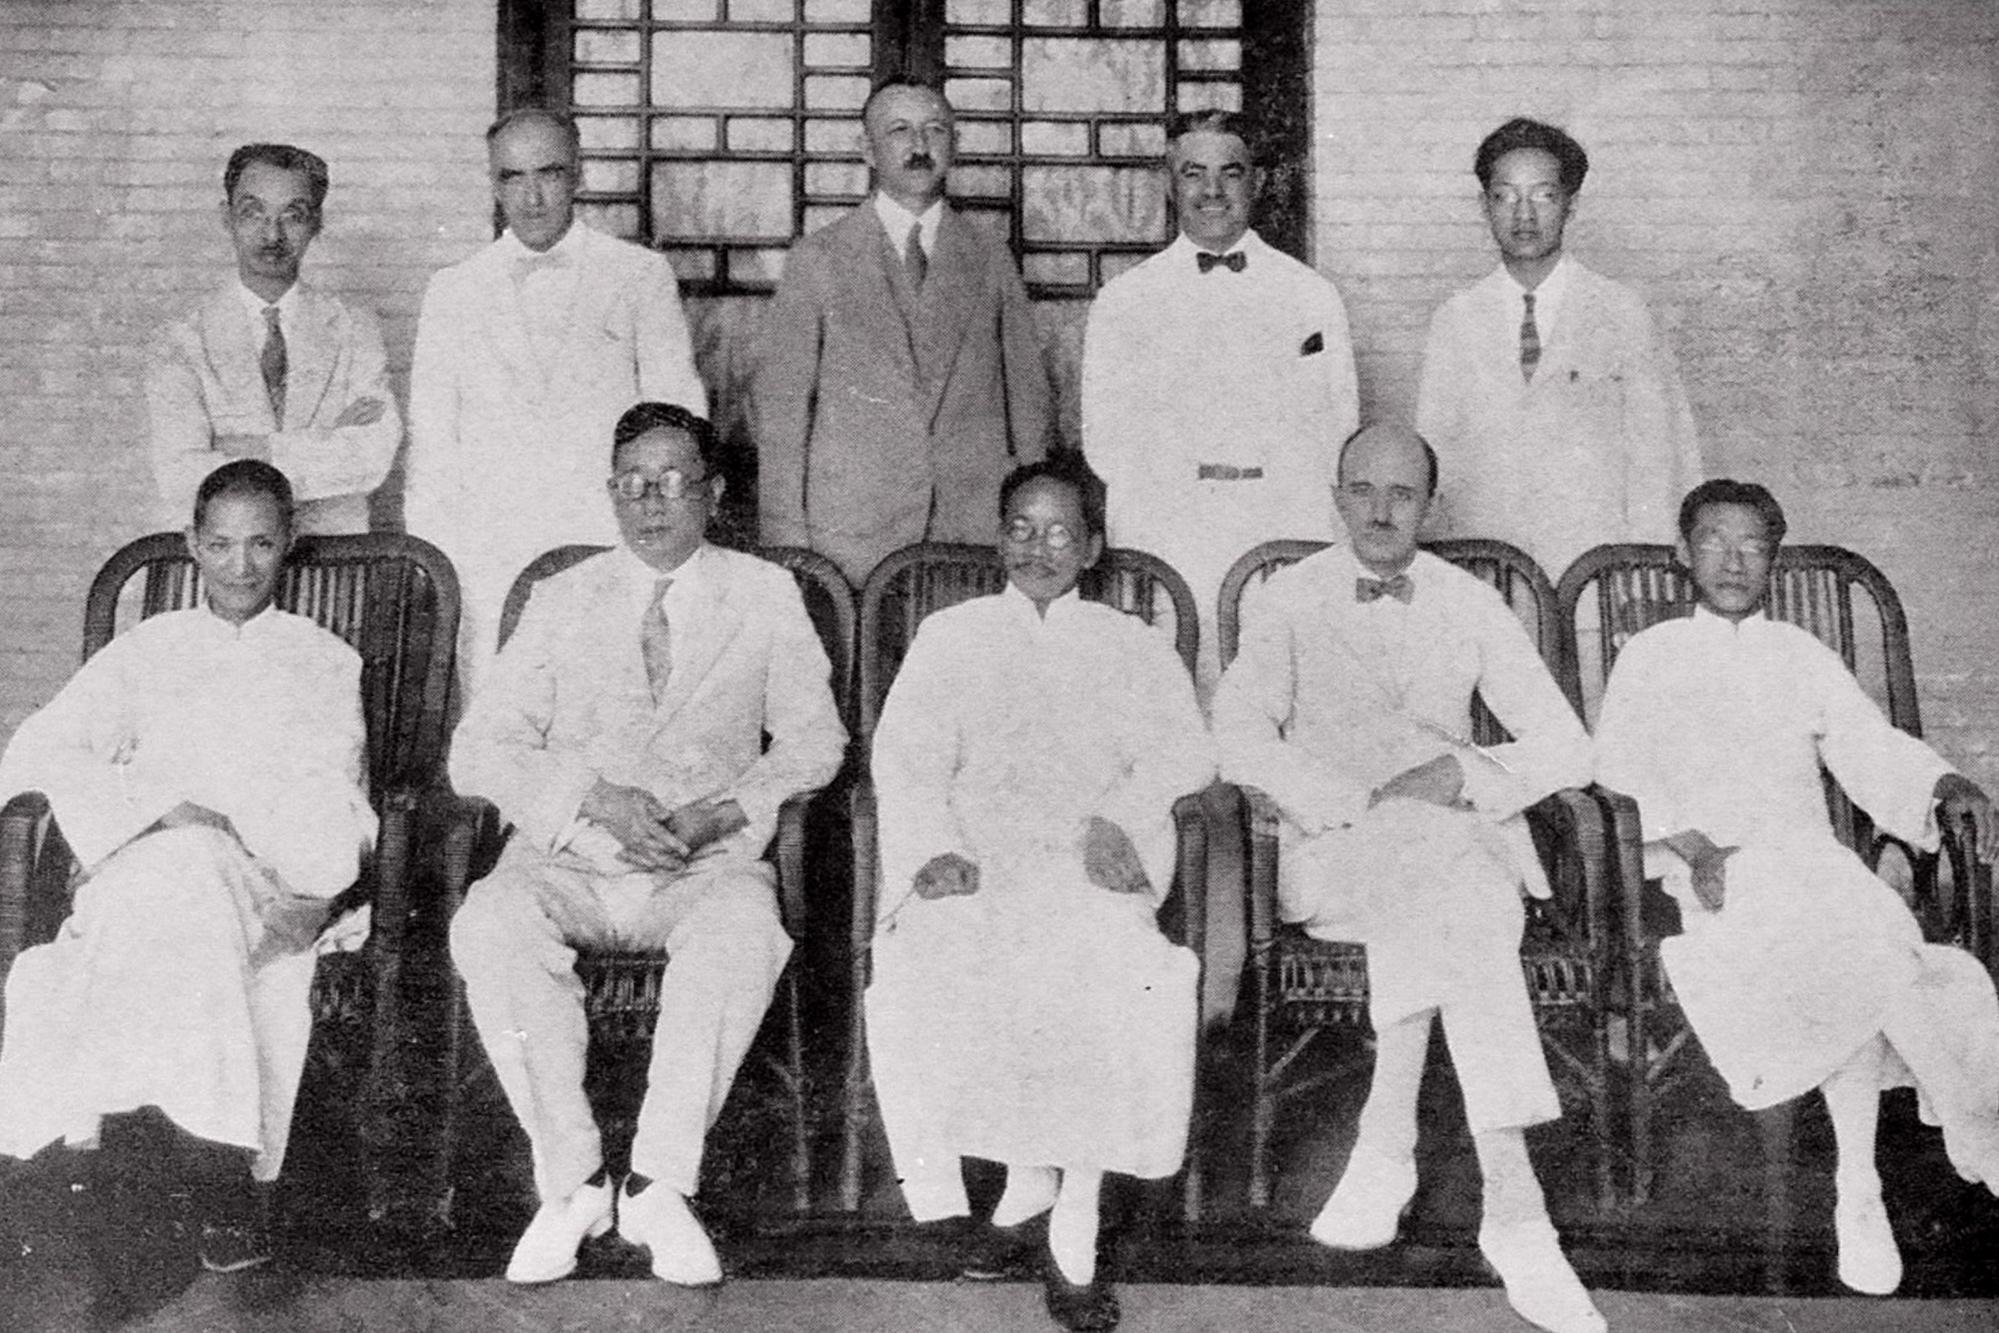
x: 656, y: 641
x: 914, y: 259
x: 273, y: 363
x: 1530, y: 340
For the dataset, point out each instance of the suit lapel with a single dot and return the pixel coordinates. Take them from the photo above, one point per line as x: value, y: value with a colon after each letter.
x: 595, y: 285
x: 232, y: 351
x: 507, y: 331
x: 310, y: 350
x: 943, y: 312
x: 700, y: 636
x: 882, y: 286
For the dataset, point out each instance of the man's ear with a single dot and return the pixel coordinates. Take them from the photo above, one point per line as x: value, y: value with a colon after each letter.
x: 191, y: 535
x: 1096, y: 550
x: 1683, y: 552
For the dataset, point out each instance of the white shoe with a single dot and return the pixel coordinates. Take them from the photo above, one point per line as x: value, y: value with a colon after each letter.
x: 660, y: 1220
x: 1366, y: 1208
x: 1540, y: 1285
x: 1868, y: 1258
x: 546, y: 1251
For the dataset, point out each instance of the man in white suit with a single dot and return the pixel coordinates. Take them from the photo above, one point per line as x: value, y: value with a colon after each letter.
x: 621, y: 732
x: 1218, y: 380
x: 526, y: 354
x: 1546, y: 389
x: 270, y: 368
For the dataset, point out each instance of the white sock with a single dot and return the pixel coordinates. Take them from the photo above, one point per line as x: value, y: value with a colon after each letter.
x: 1388, y: 1119
x: 1030, y: 1191
x: 1072, y: 1226
x: 1512, y: 1193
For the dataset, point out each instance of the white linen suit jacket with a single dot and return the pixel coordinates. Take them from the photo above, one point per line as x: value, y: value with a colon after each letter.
x: 568, y: 702
x: 508, y: 456
x: 1598, y: 447
x: 206, y: 379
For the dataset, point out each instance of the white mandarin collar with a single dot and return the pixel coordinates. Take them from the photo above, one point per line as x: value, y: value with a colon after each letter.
x: 1061, y: 611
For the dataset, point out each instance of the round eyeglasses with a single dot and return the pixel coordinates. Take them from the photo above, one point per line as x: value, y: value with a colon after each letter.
x: 672, y: 484
x: 1021, y: 532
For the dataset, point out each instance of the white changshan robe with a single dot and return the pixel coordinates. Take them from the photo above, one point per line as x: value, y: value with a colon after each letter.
x: 1042, y: 1020
x: 181, y: 978
x: 1723, y: 727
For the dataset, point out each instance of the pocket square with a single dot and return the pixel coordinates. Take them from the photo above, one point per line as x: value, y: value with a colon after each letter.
x: 1313, y: 345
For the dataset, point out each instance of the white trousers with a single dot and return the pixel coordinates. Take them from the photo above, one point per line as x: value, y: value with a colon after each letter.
x: 1434, y: 894
x: 182, y: 980
x: 514, y: 943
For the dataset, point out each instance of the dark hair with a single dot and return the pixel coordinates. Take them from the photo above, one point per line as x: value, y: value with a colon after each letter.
x: 641, y: 418
x: 1725, y: 491
x: 1213, y: 120
x: 537, y: 115
x: 245, y: 476
x: 1429, y: 454
x: 1520, y: 132
x: 895, y: 81
x: 283, y: 156
x: 1070, y: 469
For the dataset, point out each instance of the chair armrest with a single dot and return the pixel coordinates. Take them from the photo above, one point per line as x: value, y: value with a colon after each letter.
x: 788, y: 850
x: 20, y: 823
x: 1971, y: 881
x: 1572, y: 819
x: 867, y: 878
x: 1260, y: 821
x: 1190, y: 873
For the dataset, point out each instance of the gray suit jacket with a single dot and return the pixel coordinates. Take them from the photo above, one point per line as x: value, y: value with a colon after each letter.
x: 885, y: 416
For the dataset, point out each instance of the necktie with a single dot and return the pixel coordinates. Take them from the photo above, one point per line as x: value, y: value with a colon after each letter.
x: 656, y: 642
x: 1234, y: 261
x: 1401, y: 588
x: 1530, y: 339
x: 273, y: 363
x: 914, y: 259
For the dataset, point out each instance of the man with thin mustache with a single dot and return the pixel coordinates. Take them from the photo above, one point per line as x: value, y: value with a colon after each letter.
x: 898, y: 377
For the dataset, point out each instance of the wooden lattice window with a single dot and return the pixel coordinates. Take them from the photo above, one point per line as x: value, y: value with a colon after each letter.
x: 719, y: 130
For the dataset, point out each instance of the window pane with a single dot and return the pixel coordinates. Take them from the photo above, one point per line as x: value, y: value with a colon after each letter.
x: 1055, y: 13
x: 833, y: 136
x: 760, y: 264
x: 1055, y: 138
x: 1210, y: 55
x: 837, y: 48
x: 589, y: 10
x: 620, y: 220
x: 824, y: 178
x: 1057, y: 270
x: 692, y: 199
x: 822, y: 215
x: 985, y: 136
x: 608, y: 131
x: 610, y: 176
x: 1085, y: 74
x: 691, y: 265
x: 1210, y: 13
x: 979, y: 94
x: 977, y: 11
x: 838, y: 11
x: 1132, y: 140
x: 596, y: 47
x: 683, y: 133
x: 721, y: 69
x: 982, y: 182
x: 759, y: 134
x: 762, y: 11
x: 980, y: 52
x: 682, y: 11
x: 604, y: 89
x: 1093, y: 204
x: 837, y: 92
x: 1133, y: 13
x: 1210, y: 96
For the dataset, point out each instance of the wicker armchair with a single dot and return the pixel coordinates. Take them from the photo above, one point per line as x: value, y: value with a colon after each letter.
x: 1303, y: 986
x: 621, y: 989
x: 394, y: 599
x: 1611, y: 593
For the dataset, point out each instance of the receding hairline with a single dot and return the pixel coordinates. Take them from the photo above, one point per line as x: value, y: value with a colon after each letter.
x: 888, y: 86
x: 1406, y: 432
x: 560, y: 122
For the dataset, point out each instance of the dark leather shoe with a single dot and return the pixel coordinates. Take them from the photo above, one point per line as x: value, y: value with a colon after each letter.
x: 995, y: 1252
x: 1092, y: 1308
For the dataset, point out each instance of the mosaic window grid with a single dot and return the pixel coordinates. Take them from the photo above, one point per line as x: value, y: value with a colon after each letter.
x: 632, y: 141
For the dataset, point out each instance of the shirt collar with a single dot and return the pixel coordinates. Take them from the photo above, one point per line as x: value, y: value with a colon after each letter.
x: 565, y: 253
x: 1185, y: 249
x: 641, y: 578
x: 896, y: 221
x: 1061, y: 610
x: 1548, y: 297
x: 254, y: 304
x: 260, y: 624
x: 1710, y: 623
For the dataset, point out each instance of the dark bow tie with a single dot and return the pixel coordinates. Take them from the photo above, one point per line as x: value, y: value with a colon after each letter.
x: 1233, y: 261
x: 1401, y: 588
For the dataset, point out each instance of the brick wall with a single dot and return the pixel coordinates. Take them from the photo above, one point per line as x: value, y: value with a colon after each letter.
x: 1799, y: 186
x: 115, y: 122
x: 1802, y: 189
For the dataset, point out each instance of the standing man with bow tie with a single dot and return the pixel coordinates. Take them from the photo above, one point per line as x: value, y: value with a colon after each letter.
x: 1348, y: 705
x: 898, y: 376
x: 1218, y: 379
x: 271, y: 368
x: 527, y: 353
x: 1554, y: 402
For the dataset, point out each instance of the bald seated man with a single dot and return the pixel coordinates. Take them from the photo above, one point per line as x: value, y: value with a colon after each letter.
x: 1350, y: 705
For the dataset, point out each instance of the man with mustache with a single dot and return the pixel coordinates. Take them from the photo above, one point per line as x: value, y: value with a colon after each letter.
x: 1349, y: 705
x: 526, y: 354
x: 1218, y: 379
x: 1546, y: 389
x: 271, y: 368
x: 898, y: 376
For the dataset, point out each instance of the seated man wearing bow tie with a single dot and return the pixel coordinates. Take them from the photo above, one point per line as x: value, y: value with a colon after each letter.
x: 1350, y: 705
x: 622, y: 734
x: 270, y: 367
x: 1217, y: 378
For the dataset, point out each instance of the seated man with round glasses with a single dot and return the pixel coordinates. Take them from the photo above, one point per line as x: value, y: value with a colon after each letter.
x: 1025, y: 1008
x: 1797, y: 967
x: 621, y: 732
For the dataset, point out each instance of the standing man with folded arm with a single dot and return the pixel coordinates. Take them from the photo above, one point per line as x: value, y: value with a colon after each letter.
x: 1218, y: 379
x: 270, y: 367
x: 526, y: 355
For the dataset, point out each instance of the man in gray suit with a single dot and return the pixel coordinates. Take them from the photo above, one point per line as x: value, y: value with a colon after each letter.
x: 898, y: 377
